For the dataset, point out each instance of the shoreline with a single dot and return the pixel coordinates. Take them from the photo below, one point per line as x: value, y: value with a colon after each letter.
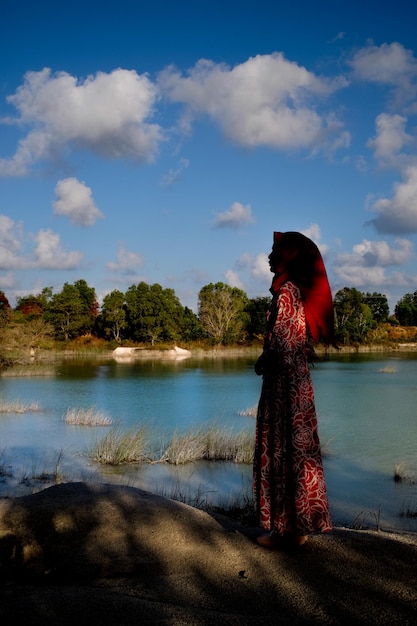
x: 178, y: 353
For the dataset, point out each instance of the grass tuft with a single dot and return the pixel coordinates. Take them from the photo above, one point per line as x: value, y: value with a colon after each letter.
x: 18, y: 407
x: 210, y: 444
x: 87, y: 417
x: 118, y: 447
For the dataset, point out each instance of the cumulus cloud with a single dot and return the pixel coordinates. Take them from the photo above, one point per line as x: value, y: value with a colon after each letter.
x: 372, y: 253
x: 106, y: 114
x: 233, y: 280
x: 74, y: 200
x: 238, y: 215
x: 127, y: 261
x: 10, y: 243
x: 49, y: 253
x: 7, y: 281
x: 398, y: 215
x: 388, y: 64
x: 390, y: 139
x: 260, y: 267
x: 267, y: 100
x: 367, y: 264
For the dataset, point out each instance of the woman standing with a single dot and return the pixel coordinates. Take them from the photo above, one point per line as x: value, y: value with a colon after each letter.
x: 289, y: 485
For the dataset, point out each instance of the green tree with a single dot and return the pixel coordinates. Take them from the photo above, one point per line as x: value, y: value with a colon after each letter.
x: 378, y: 304
x: 221, y: 310
x: 353, y: 317
x: 113, y: 314
x: 90, y: 306
x: 66, y: 313
x: 406, y: 310
x: 153, y: 313
x: 191, y: 327
x: 256, y: 309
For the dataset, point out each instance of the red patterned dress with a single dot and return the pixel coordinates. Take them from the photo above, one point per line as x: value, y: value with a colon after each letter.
x: 289, y: 486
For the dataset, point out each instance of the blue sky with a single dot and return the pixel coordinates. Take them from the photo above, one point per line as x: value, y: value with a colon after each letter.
x: 166, y: 142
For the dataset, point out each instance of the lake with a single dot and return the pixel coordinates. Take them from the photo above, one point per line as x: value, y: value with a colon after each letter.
x: 366, y: 406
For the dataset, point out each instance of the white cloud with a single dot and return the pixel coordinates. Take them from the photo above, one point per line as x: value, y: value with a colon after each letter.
x: 233, y: 280
x: 372, y: 253
x: 126, y: 261
x: 366, y: 266
x: 106, y: 114
x: 260, y: 267
x: 388, y: 64
x: 7, y: 281
x: 74, y: 200
x: 369, y: 278
x: 10, y: 243
x: 49, y: 253
x: 398, y: 215
x: 238, y: 215
x: 390, y: 139
x: 267, y: 100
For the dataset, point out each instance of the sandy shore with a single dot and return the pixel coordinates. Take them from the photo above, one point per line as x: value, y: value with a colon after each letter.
x: 86, y: 553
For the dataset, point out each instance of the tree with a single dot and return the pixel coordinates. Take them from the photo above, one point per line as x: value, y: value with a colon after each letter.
x: 256, y: 309
x: 221, y: 311
x: 153, y: 313
x: 31, y: 307
x: 90, y: 306
x: 67, y: 313
x: 191, y: 327
x: 406, y: 310
x: 378, y: 304
x: 353, y: 317
x: 5, y: 310
x: 113, y: 314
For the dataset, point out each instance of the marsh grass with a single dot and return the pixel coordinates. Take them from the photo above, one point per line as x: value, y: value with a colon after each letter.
x: 207, y: 443
x: 48, y: 470
x: 361, y: 520
x: 18, y: 407
x: 410, y: 511
x: 86, y: 417
x: 27, y: 370
x: 251, y: 412
x: 118, y: 447
x: 402, y: 473
x: 240, y: 509
x: 210, y: 443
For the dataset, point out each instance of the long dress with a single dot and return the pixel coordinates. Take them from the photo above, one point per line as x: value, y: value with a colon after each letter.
x: 289, y: 485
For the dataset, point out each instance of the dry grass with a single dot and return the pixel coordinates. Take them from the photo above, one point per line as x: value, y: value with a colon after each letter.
x: 203, y: 443
x: 18, y: 407
x: 251, y: 412
x: 87, y: 417
x: 118, y: 447
x: 210, y: 443
x: 402, y: 473
x: 27, y: 370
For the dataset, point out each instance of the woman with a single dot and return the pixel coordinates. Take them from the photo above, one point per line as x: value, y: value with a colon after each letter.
x: 289, y: 486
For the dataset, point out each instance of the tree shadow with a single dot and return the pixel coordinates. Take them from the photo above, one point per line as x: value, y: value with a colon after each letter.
x: 112, y: 554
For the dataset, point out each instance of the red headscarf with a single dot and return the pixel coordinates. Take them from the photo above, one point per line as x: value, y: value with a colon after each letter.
x: 300, y: 260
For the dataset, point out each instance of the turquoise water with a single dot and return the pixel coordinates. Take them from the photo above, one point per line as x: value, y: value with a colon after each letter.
x: 366, y: 408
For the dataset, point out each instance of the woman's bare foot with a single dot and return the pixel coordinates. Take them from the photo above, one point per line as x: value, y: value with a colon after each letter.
x: 300, y: 540
x: 268, y: 540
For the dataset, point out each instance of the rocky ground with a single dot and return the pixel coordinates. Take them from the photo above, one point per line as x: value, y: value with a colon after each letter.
x: 81, y: 553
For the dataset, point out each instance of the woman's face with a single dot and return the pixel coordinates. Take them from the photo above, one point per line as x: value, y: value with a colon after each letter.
x: 275, y: 259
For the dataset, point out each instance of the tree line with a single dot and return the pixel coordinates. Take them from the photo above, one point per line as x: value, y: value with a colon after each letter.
x: 151, y: 314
